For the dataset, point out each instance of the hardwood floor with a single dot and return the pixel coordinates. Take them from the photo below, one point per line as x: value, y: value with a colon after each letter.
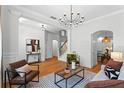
x: 97, y: 68
x: 50, y: 65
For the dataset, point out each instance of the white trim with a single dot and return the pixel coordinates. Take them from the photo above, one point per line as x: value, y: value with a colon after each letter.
x: 107, y: 15
x: 13, y: 12
x: 30, y: 25
x: 25, y: 12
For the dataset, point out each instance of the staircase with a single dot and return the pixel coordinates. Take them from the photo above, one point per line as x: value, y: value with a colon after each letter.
x: 63, y: 51
x: 63, y: 47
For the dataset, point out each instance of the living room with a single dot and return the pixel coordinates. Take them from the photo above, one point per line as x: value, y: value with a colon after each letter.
x: 24, y: 27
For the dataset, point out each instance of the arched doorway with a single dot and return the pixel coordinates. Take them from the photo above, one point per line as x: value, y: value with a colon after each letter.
x: 101, y: 46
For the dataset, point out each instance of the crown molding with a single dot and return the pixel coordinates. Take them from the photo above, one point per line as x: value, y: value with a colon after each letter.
x: 105, y: 16
x: 46, y: 20
x: 35, y: 16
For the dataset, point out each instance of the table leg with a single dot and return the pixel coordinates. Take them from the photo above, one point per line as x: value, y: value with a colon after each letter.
x: 66, y: 83
x: 83, y: 73
x: 27, y: 57
x: 54, y: 78
x: 5, y: 79
x: 38, y: 57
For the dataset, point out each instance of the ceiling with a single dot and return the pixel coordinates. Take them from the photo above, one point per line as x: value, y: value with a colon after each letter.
x: 88, y: 11
x: 36, y: 24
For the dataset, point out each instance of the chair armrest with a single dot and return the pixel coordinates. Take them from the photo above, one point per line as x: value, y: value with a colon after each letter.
x: 8, y: 73
x: 15, y: 71
x: 36, y: 66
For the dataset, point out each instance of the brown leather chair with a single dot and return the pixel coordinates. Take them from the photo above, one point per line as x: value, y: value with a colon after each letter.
x: 15, y: 79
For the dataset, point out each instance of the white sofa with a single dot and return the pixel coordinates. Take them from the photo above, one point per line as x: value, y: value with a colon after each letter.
x: 101, y: 75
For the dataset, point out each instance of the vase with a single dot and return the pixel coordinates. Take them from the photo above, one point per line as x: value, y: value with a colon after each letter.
x: 73, y: 65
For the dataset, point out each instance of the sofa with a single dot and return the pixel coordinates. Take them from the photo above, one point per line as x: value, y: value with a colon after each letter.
x: 100, y: 80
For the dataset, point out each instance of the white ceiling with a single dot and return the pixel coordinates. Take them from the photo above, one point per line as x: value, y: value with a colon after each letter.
x: 88, y: 11
x: 33, y: 23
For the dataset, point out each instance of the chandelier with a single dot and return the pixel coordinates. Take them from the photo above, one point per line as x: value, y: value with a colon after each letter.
x: 43, y: 28
x: 74, y: 20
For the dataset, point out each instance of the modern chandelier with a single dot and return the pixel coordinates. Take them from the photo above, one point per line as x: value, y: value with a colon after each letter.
x: 74, y: 20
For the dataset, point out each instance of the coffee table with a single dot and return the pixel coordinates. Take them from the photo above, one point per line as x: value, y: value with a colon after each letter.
x: 66, y: 76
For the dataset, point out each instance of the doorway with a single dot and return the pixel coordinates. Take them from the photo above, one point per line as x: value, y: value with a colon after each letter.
x: 101, y: 46
x: 55, y: 48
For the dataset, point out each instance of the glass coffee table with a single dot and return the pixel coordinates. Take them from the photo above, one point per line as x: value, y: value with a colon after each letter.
x: 66, y: 76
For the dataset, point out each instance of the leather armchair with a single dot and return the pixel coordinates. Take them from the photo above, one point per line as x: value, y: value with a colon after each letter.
x: 15, y: 79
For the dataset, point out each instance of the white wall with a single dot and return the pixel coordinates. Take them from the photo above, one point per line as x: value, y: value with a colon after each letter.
x: 13, y: 43
x: 81, y: 36
x: 14, y: 50
x: 30, y: 32
x: 9, y: 27
x: 55, y: 48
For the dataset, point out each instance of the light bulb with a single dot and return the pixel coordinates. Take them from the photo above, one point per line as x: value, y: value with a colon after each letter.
x: 78, y: 13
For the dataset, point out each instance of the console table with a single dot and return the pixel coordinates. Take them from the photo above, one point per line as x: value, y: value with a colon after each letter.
x: 33, y: 53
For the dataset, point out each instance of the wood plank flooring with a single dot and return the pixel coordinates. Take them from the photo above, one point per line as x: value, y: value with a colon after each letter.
x: 52, y: 65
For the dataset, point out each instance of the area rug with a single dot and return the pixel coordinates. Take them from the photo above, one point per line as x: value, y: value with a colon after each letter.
x: 48, y: 81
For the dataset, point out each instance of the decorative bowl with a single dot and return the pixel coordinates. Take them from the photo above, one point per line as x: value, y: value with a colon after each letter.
x: 67, y: 70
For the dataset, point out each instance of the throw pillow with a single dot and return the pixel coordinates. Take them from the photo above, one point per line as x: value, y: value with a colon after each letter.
x: 111, y: 73
x: 26, y: 68
x: 114, y: 64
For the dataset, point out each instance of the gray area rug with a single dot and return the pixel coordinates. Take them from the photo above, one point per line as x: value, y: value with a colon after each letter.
x: 48, y: 81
